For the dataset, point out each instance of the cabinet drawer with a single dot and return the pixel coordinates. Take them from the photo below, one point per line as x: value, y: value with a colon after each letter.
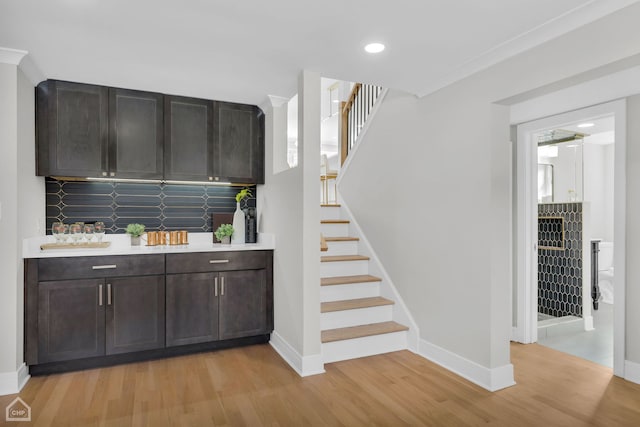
x: 216, y: 261
x: 99, y: 266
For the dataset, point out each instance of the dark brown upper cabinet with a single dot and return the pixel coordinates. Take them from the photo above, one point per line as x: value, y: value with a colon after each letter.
x: 238, y: 145
x: 188, y: 147
x: 94, y: 131
x: 136, y: 134
x: 71, y: 129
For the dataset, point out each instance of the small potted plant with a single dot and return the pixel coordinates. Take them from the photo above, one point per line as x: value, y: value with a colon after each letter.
x: 135, y: 231
x: 224, y: 233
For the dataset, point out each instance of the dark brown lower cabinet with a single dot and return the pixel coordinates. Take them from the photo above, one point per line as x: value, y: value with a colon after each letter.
x: 205, y: 307
x: 83, y: 312
x: 96, y: 317
x: 134, y: 314
x: 192, y: 308
x: 70, y: 320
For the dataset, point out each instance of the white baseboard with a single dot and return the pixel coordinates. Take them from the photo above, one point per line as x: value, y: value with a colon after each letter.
x: 492, y: 379
x: 12, y: 382
x: 632, y: 371
x: 515, y: 334
x: 303, y: 365
x: 588, y: 323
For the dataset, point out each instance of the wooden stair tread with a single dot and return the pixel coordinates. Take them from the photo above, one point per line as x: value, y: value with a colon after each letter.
x: 341, y: 239
x: 344, y: 258
x: 353, y: 304
x: 347, y: 280
x: 330, y: 205
x: 360, y: 331
x: 334, y: 221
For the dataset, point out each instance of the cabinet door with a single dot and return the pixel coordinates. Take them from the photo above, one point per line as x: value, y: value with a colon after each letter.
x: 243, y: 303
x: 70, y: 320
x: 136, y: 134
x: 238, y: 149
x: 135, y: 314
x: 188, y: 126
x: 192, y: 308
x: 72, y: 129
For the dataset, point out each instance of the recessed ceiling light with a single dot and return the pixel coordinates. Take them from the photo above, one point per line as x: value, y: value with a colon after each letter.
x: 374, y: 47
x: 586, y: 125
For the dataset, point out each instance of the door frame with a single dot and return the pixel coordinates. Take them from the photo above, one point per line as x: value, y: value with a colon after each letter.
x: 527, y: 230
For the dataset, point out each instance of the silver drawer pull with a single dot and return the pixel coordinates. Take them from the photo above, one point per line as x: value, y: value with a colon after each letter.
x: 104, y: 267
x: 218, y: 261
x: 100, y: 295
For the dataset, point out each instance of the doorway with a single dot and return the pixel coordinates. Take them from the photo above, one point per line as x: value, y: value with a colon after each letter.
x: 527, y: 248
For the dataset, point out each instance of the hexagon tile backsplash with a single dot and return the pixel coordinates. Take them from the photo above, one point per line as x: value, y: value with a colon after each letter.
x: 560, y: 259
x: 157, y: 206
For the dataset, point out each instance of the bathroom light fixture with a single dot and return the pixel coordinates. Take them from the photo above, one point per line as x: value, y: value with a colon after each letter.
x: 374, y: 47
x: 586, y: 125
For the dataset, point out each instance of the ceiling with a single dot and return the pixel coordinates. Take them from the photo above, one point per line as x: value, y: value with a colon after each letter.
x: 245, y: 50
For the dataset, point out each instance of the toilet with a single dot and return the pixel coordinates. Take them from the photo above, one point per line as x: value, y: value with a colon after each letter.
x: 605, y: 272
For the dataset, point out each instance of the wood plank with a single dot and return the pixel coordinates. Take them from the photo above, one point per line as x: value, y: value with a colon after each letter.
x: 342, y: 239
x: 400, y: 388
x: 347, y: 280
x: 81, y: 245
x: 354, y: 304
x: 339, y: 258
x: 334, y: 221
x: 323, y: 244
x: 360, y: 331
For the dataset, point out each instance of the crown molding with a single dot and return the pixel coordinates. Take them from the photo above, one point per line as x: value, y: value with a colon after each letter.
x: 554, y: 28
x: 11, y: 56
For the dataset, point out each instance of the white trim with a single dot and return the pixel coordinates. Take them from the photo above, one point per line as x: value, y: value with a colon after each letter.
x: 527, y: 231
x: 12, y: 382
x: 514, y: 334
x: 11, y: 56
x: 31, y: 70
x: 303, y: 365
x: 632, y: 371
x: 401, y: 313
x: 555, y: 27
x: 361, y: 135
x: 492, y: 379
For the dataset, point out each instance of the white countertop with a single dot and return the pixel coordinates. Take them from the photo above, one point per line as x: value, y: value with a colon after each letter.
x: 121, y: 245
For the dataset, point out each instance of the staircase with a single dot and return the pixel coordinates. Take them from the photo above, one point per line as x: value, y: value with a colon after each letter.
x: 355, y: 320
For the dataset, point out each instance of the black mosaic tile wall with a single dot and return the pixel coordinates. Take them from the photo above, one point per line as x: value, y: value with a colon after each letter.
x: 560, y: 270
x: 157, y: 206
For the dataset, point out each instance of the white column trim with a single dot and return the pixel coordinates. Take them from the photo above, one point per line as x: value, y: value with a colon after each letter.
x: 11, y: 56
x: 632, y: 371
x: 303, y: 365
x: 12, y: 382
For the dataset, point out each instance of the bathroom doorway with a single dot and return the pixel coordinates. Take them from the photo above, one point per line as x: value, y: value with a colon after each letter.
x: 570, y: 190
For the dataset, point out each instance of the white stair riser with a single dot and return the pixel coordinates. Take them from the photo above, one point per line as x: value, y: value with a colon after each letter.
x: 341, y: 248
x: 350, y: 291
x: 362, y: 347
x: 360, y: 316
x: 329, y: 212
x: 343, y: 268
x: 334, y: 230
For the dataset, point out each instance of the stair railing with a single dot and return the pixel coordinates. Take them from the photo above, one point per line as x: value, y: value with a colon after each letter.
x: 355, y: 112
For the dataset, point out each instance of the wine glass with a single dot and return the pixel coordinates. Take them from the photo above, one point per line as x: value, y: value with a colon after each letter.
x: 75, y: 231
x: 56, y: 229
x: 88, y: 232
x: 98, y: 229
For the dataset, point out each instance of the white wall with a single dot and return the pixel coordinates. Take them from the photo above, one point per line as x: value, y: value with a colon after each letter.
x: 289, y: 208
x: 598, y: 189
x: 439, y: 215
x: 22, y: 198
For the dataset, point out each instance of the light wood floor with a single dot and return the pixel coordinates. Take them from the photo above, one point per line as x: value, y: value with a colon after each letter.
x: 252, y: 386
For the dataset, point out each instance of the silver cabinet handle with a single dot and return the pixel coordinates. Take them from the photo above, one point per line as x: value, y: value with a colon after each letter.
x: 218, y: 261
x: 222, y: 286
x: 108, y: 293
x: 100, y: 295
x: 104, y: 267
x: 215, y: 286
